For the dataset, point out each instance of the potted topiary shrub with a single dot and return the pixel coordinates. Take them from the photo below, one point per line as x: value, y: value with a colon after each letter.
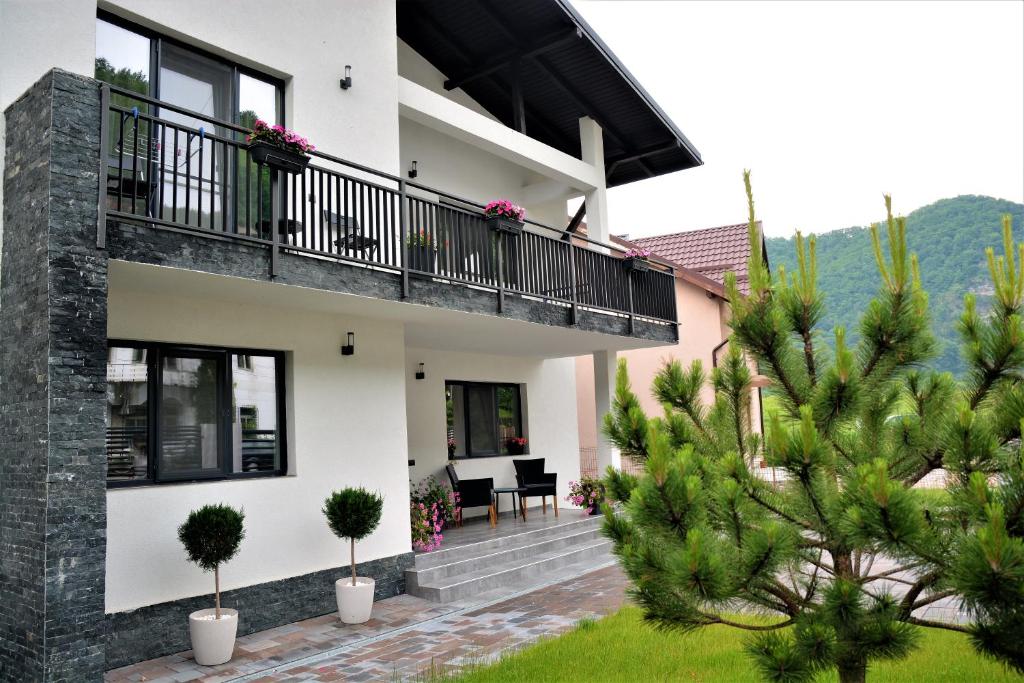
x: 211, y: 536
x: 278, y: 148
x: 353, y: 513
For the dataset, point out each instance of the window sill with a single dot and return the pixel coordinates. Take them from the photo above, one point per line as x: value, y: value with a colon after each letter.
x: 485, y: 457
x: 116, y: 485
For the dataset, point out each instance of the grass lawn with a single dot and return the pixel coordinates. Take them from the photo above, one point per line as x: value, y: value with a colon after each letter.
x: 622, y: 648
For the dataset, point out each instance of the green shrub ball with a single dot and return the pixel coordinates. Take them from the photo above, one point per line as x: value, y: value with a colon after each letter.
x: 211, y: 535
x: 353, y: 512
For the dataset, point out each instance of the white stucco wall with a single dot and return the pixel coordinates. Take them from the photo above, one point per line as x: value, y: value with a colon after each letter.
x: 347, y: 426
x: 413, y: 66
x: 550, y: 416
x: 306, y: 43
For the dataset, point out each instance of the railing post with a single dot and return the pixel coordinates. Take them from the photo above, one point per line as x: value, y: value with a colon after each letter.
x: 275, y: 218
x: 499, y: 257
x: 632, y: 321
x: 573, y: 287
x: 101, y: 202
x: 403, y: 227
x: 673, y: 305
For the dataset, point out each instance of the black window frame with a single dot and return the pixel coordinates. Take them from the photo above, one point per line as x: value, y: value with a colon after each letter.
x: 155, y: 354
x: 156, y: 39
x: 470, y: 455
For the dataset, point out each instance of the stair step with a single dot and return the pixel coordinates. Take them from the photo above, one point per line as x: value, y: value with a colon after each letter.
x: 465, y: 585
x: 507, y: 557
x: 449, y: 554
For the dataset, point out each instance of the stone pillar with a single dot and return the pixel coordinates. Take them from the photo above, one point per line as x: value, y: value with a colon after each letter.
x: 592, y: 152
x: 53, y: 337
x: 604, y: 393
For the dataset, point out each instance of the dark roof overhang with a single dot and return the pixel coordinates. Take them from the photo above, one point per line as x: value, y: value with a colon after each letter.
x: 538, y: 67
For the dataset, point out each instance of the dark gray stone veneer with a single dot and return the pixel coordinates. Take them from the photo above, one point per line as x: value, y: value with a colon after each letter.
x: 53, y: 354
x: 162, y: 629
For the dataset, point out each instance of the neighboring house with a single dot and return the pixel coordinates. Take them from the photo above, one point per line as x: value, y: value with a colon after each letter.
x: 181, y: 326
x: 700, y: 259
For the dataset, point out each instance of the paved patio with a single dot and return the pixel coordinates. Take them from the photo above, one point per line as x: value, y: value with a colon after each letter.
x: 405, y: 636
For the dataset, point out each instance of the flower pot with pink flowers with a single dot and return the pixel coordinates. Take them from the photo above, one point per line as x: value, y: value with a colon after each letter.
x: 279, y: 148
x: 587, y: 493
x: 516, y: 445
x: 504, y: 216
x: 637, y: 260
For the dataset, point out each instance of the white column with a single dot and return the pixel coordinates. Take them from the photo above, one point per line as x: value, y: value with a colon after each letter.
x: 592, y: 148
x: 604, y: 392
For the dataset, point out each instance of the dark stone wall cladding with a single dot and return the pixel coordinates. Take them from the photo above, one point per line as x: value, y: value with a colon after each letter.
x: 183, y: 249
x: 53, y: 333
x: 162, y: 629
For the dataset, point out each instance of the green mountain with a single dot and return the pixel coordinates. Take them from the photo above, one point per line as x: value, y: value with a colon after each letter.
x: 949, y: 237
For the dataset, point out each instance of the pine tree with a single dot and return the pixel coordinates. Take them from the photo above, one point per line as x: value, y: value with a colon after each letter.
x: 841, y: 558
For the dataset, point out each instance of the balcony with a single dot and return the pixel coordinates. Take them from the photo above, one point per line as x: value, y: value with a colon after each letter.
x: 176, y: 171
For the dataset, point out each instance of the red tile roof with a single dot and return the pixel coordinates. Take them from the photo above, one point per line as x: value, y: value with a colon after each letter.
x: 712, y: 252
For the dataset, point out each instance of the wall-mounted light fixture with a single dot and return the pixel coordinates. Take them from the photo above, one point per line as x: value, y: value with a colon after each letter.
x: 412, y: 170
x: 420, y: 373
x: 346, y: 82
x: 349, y: 348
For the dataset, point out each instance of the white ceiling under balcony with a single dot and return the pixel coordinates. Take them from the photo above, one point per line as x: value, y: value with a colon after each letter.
x: 428, y: 327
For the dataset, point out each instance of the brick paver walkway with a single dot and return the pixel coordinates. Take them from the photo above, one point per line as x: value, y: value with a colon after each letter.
x: 405, y: 636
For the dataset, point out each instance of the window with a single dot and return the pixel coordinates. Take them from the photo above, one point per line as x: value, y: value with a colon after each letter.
x: 182, y: 413
x: 195, y: 172
x: 482, y: 418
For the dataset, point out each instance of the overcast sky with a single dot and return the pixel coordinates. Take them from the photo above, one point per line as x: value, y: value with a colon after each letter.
x: 830, y: 104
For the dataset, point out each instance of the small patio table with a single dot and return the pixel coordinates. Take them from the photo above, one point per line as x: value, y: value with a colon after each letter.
x: 515, y: 491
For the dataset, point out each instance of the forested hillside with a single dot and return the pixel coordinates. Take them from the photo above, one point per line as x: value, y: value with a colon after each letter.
x: 949, y: 238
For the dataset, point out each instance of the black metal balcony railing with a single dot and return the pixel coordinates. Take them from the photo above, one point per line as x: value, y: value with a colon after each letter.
x: 172, y: 167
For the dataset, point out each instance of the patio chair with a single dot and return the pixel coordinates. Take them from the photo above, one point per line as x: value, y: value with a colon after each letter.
x: 472, y: 493
x: 531, y: 476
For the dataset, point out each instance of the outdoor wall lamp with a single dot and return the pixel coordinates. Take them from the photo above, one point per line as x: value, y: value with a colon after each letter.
x: 412, y: 170
x: 346, y: 82
x: 349, y: 348
x: 420, y: 373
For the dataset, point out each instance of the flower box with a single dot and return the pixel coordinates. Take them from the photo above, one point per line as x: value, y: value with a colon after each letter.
x: 502, y: 216
x: 277, y: 158
x: 506, y: 225
x: 279, y: 148
x: 516, y: 446
x: 636, y: 264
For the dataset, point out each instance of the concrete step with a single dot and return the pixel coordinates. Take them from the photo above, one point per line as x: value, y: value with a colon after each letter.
x: 488, y: 546
x: 538, y: 565
x: 525, y: 551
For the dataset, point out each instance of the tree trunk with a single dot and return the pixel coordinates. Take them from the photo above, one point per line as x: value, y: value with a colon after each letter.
x: 353, y: 561
x: 854, y: 674
x: 216, y: 589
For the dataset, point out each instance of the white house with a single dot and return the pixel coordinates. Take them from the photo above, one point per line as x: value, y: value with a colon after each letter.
x: 173, y: 315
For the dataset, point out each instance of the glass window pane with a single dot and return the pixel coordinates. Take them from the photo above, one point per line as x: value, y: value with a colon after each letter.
x: 255, y: 429
x: 508, y: 415
x: 483, y: 434
x: 189, y: 432
x: 122, y: 57
x: 256, y: 100
x: 127, y: 414
x: 455, y: 407
x: 203, y: 85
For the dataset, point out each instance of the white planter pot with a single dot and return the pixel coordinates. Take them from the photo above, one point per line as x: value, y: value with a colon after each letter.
x: 213, y: 640
x: 354, y: 602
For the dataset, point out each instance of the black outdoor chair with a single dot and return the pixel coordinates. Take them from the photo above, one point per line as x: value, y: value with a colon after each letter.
x: 530, y: 475
x: 472, y: 493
